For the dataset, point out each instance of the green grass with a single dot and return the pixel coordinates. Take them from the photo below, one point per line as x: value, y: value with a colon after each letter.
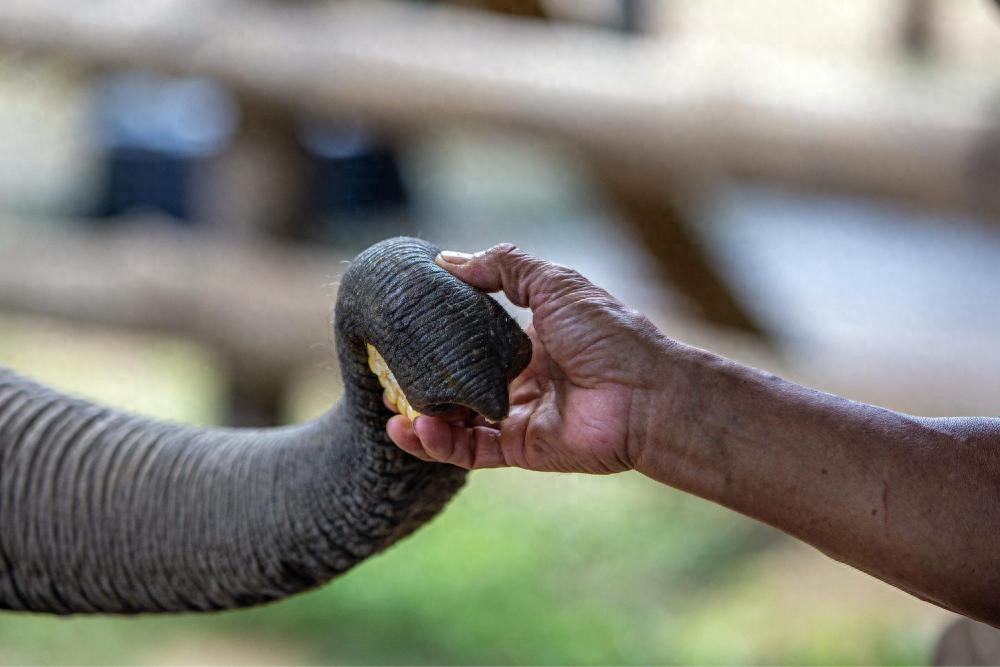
x: 521, y: 568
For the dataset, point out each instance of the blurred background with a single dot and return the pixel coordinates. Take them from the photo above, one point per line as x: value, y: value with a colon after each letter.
x: 811, y: 188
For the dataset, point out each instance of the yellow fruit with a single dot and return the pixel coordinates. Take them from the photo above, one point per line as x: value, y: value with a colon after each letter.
x: 393, y: 394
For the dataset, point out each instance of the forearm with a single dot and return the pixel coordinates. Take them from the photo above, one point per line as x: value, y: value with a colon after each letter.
x: 913, y: 501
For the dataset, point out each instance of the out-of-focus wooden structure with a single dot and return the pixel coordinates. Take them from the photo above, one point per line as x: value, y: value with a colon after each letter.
x: 264, y: 306
x: 649, y: 121
x: 647, y: 111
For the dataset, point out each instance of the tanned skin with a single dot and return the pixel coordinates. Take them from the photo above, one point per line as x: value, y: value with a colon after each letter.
x: 913, y: 501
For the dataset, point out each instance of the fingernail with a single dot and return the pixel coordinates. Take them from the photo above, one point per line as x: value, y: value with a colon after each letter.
x: 454, y: 257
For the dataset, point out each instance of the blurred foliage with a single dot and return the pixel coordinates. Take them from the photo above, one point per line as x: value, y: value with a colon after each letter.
x: 521, y: 568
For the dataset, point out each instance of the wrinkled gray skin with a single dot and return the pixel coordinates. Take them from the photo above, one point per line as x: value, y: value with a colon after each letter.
x: 106, y: 512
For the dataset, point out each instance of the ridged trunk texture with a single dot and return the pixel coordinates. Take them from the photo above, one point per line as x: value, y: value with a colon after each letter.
x: 102, y: 511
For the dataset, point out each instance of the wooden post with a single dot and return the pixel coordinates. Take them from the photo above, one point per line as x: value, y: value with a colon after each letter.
x: 259, y: 186
x: 917, y: 28
x: 634, y: 17
x: 660, y: 219
x: 260, y: 183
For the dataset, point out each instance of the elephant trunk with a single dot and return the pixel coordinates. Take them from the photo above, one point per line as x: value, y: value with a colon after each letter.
x: 106, y: 512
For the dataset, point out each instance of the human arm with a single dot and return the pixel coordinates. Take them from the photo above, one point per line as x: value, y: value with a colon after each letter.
x: 910, y: 500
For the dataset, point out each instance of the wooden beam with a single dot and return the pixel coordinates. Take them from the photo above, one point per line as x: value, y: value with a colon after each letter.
x: 734, y: 112
x: 264, y: 307
x: 534, y: 9
x: 661, y: 222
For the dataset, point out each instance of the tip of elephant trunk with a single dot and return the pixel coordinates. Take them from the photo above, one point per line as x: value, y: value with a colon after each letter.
x: 494, y: 409
x: 493, y: 403
x: 435, y: 342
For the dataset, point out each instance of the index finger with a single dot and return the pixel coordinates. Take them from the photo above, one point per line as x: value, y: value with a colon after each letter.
x: 522, y: 277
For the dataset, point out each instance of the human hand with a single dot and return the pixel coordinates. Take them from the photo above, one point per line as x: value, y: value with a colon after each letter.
x: 586, y: 399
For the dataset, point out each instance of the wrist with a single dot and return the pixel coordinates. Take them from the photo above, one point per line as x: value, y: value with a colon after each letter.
x: 675, y: 415
x: 656, y: 404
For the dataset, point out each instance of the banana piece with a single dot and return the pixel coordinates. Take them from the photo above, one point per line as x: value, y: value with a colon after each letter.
x: 393, y: 393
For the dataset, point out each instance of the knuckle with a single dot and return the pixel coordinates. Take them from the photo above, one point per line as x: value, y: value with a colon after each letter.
x: 439, y: 448
x: 569, y: 277
x: 504, y: 253
x: 560, y: 280
x: 510, y: 254
x: 504, y: 249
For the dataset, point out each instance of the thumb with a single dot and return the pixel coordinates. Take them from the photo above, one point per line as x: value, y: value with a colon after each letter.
x: 522, y: 277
